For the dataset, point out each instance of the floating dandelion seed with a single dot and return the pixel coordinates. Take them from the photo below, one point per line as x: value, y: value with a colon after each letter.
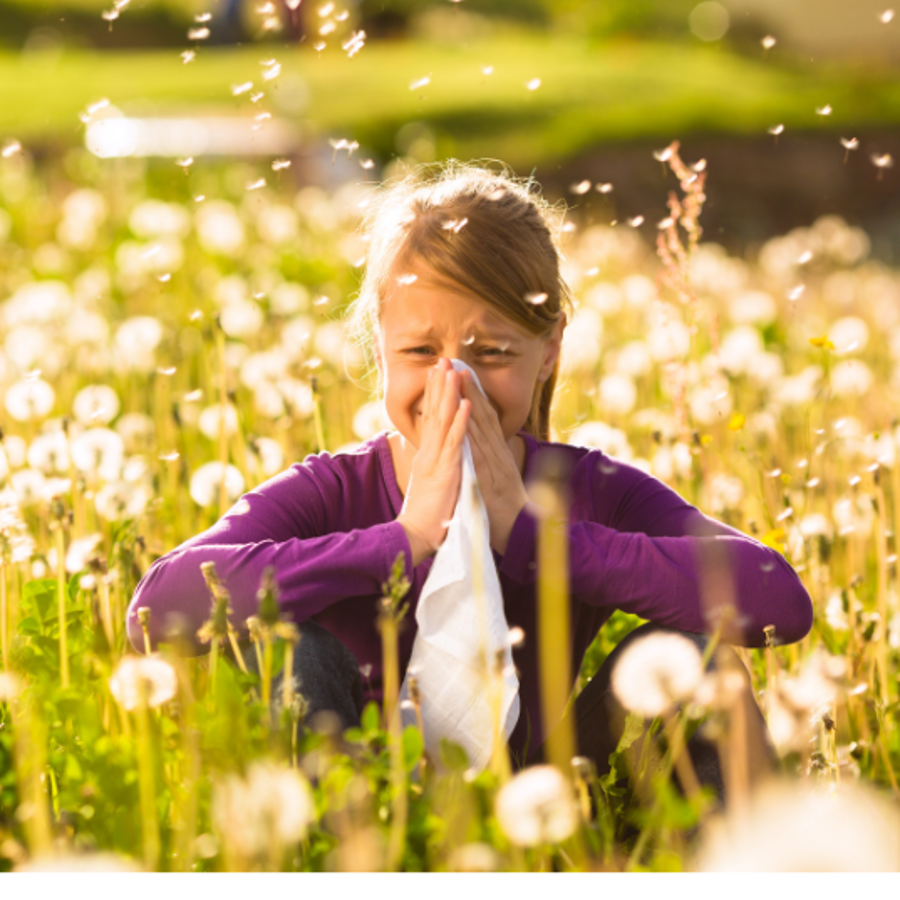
x: 487, y: 70
x: 804, y: 257
x: 665, y: 223
x: 198, y: 34
x: 455, y: 225
x: 407, y: 279
x: 262, y: 117
x: 272, y: 72
x: 193, y: 396
x: 255, y: 98
x: 796, y: 293
x: 110, y: 15
x: 239, y: 89
x: 279, y: 164
x: 534, y: 84
x: 265, y: 9
x: 823, y: 110
x: 605, y: 188
x: 468, y: 341
x: 326, y: 9
x: 768, y: 42
x: 319, y: 46
x: 881, y: 162
x: 185, y: 163
x: 886, y: 16
x: 663, y: 155
x: 850, y: 143
x: 367, y: 163
x: 10, y: 148
x: 327, y: 28
x: 636, y: 222
x: 342, y: 16
x: 420, y: 83
x: 355, y: 43
x: 256, y: 185
x: 776, y: 130
x: 199, y: 198
x: 203, y: 17
x: 536, y: 299
x: 581, y: 188
x: 188, y: 56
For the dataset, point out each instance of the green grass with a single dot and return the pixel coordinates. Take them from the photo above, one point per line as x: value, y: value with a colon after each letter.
x: 589, y: 94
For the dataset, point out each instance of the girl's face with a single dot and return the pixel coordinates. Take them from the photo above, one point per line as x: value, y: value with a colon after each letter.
x: 424, y: 320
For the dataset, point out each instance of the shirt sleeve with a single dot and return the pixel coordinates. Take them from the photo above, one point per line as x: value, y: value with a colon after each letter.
x: 661, y: 559
x: 283, y: 524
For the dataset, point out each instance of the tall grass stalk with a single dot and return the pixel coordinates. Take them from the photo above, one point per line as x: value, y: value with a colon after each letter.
x: 882, y: 587
x: 390, y: 615
x: 30, y: 753
x: 554, y: 650
x: 223, y: 430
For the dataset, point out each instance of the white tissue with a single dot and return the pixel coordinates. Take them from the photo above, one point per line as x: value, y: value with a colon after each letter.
x: 448, y: 657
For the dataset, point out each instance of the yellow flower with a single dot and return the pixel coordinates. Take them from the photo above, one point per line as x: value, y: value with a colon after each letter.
x: 736, y: 422
x: 822, y: 342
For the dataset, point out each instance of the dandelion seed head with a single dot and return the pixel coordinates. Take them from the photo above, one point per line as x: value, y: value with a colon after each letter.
x: 656, y: 672
x: 768, y: 42
x: 850, y: 143
x: 776, y: 130
x: 882, y: 160
x: 537, y: 806
x: 534, y: 84
x: 150, y: 676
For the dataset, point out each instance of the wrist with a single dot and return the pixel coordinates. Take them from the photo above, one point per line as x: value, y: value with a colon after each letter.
x: 420, y: 547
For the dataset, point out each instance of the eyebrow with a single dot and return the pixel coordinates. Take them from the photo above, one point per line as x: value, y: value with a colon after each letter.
x: 495, y: 334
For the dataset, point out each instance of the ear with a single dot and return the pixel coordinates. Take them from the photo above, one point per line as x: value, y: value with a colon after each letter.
x: 552, y: 347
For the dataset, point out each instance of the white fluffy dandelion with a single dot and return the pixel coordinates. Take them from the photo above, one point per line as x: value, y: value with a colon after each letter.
x: 151, y: 676
x: 536, y: 807
x: 657, y: 672
x: 206, y: 480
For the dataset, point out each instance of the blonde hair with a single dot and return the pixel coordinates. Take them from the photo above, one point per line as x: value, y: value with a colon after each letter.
x: 485, y: 231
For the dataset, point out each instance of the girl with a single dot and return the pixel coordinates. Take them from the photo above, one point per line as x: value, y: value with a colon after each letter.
x: 463, y: 264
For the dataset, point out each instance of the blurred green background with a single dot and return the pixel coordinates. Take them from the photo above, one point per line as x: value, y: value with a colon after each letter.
x: 616, y: 80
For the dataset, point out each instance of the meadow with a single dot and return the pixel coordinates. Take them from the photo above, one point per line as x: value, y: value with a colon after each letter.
x: 170, y: 343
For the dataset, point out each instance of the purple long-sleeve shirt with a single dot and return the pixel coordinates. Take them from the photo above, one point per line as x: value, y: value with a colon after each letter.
x: 327, y: 526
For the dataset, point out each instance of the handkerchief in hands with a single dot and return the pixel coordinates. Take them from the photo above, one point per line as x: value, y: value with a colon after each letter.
x: 459, y: 632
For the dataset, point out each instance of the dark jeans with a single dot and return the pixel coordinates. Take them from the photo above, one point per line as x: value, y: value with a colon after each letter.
x: 326, y: 675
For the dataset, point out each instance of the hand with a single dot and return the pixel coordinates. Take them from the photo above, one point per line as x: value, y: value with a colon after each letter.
x: 437, y: 468
x: 499, y: 479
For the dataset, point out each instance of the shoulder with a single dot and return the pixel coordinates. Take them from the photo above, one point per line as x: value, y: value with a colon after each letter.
x: 322, y: 483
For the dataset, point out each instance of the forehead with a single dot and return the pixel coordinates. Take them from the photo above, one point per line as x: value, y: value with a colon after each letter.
x: 426, y: 307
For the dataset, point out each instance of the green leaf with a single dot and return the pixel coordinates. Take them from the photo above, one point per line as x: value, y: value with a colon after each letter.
x: 39, y: 595
x: 453, y: 756
x: 413, y: 746
x: 371, y: 717
x: 29, y: 625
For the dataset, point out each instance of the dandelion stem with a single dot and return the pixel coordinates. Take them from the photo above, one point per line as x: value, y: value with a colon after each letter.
x: 4, y: 617
x: 61, y: 604
x: 223, y: 431
x: 553, y: 613
x: 147, y: 783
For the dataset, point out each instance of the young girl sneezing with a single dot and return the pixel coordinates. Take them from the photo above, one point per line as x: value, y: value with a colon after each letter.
x: 463, y: 265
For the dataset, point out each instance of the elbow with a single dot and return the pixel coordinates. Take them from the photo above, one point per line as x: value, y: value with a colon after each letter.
x: 793, y: 615
x: 165, y: 622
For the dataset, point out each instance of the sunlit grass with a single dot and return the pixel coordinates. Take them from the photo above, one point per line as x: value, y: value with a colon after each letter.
x: 589, y: 93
